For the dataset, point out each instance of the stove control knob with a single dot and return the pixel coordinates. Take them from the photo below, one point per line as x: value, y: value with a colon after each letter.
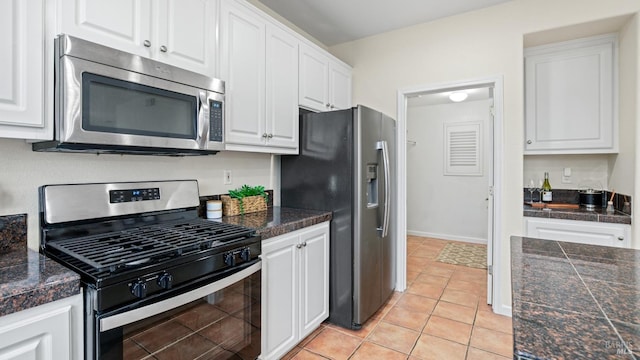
x: 165, y: 281
x: 230, y: 259
x: 245, y: 254
x: 139, y: 289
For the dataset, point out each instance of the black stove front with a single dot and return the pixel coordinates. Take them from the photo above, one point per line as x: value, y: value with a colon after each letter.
x: 149, y: 265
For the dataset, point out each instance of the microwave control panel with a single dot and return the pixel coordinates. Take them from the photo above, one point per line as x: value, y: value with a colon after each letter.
x: 215, y: 120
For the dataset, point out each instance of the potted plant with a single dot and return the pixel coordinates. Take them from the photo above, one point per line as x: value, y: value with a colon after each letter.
x: 246, y: 199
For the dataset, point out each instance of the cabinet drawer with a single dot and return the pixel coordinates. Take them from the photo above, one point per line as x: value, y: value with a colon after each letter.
x: 583, y: 232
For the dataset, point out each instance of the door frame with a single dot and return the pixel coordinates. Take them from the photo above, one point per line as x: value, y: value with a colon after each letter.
x: 493, y: 244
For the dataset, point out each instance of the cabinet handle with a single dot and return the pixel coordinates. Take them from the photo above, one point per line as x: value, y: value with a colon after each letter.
x: 270, y: 136
x: 163, y: 48
x: 146, y: 43
x: 327, y: 105
x: 621, y: 238
x: 299, y: 246
x: 332, y: 106
x: 264, y: 135
x: 304, y: 244
x: 529, y: 142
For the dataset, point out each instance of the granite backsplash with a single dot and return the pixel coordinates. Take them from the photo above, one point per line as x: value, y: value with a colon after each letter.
x: 13, y: 233
x: 571, y: 196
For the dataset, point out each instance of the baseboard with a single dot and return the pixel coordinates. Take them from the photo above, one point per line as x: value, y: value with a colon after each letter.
x: 448, y: 237
x: 503, y: 309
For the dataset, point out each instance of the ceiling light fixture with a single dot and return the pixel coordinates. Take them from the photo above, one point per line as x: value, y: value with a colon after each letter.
x: 458, y: 96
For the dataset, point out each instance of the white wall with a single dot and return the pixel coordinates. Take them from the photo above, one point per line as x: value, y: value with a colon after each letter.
x: 22, y: 171
x: 437, y: 202
x: 473, y: 45
x: 586, y: 170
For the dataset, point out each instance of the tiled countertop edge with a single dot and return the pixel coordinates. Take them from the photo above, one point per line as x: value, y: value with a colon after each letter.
x: 580, y: 215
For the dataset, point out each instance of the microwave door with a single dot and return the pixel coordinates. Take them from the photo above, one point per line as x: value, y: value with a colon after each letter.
x: 113, y: 107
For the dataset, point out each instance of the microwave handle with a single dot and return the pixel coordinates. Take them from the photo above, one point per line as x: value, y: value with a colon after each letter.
x: 203, y: 119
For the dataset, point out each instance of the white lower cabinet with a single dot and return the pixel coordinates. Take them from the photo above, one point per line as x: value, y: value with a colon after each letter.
x: 52, y: 331
x: 584, y: 232
x: 295, y: 288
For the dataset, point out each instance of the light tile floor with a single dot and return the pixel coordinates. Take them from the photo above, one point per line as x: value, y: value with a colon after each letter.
x: 442, y: 315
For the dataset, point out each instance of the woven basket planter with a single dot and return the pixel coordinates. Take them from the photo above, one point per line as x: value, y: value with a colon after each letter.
x: 231, y: 206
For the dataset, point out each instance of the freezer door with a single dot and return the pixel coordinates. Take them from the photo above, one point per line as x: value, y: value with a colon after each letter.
x: 367, y: 254
x: 388, y: 135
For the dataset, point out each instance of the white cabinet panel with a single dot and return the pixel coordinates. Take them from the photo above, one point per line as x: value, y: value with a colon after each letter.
x: 121, y: 24
x: 22, y: 89
x: 282, y: 88
x: 260, y: 66
x: 570, y: 97
x: 314, y: 282
x: 295, y: 288
x: 49, y: 332
x: 325, y: 83
x: 243, y: 70
x: 177, y: 32
x: 584, y: 232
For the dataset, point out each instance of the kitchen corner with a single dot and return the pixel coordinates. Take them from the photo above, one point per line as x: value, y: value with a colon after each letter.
x: 27, y: 278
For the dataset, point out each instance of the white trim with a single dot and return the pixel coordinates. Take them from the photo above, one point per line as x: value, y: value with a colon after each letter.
x: 497, y: 83
x: 466, y: 239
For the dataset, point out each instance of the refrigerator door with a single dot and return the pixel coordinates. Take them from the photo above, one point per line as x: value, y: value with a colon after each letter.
x: 369, y: 195
x: 320, y: 178
x: 388, y: 135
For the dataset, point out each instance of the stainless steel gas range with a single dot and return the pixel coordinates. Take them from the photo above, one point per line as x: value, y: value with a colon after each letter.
x: 159, y: 282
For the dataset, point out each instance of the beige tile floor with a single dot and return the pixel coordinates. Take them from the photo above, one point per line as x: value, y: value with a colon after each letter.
x: 442, y: 315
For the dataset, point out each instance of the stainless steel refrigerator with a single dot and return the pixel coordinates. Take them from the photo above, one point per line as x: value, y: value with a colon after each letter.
x: 346, y: 165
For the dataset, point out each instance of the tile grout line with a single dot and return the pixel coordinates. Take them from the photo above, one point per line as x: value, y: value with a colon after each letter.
x: 597, y: 303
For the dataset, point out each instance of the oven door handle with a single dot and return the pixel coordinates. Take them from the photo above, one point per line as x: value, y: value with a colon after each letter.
x: 129, y: 317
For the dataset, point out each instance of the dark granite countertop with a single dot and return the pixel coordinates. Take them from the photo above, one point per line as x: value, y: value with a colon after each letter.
x: 574, y: 301
x: 28, y: 279
x: 598, y: 215
x: 279, y: 220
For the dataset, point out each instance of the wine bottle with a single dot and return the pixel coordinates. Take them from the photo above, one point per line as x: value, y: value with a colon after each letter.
x: 546, y: 189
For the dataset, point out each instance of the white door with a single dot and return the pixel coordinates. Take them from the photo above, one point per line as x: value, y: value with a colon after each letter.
x: 314, y: 79
x: 280, y: 296
x: 282, y: 88
x: 121, y: 24
x: 22, y: 113
x: 314, y: 280
x: 186, y: 34
x: 340, y: 86
x: 243, y: 69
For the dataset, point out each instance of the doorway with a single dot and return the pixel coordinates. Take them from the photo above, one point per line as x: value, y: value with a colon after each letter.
x: 491, y: 96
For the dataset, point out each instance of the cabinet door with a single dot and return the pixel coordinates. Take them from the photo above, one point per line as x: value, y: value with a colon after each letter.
x: 47, y: 332
x: 242, y: 36
x: 314, y: 280
x: 279, y: 296
x: 121, y: 24
x: 340, y: 86
x: 22, y: 112
x: 282, y: 89
x: 584, y: 232
x: 314, y: 79
x: 186, y: 34
x: 570, y: 98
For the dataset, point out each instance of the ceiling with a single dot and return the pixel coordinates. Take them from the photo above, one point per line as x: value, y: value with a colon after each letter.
x: 337, y: 21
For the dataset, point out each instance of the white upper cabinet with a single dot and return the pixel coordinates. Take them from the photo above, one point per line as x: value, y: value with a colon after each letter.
x: 22, y: 70
x: 325, y: 83
x: 571, y: 97
x: 259, y: 63
x: 176, y: 32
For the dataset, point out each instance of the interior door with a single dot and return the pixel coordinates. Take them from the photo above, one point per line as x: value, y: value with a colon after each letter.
x: 490, y: 205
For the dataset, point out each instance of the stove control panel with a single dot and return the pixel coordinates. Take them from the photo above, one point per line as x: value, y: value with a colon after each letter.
x: 232, y: 258
x: 131, y: 195
x: 139, y: 289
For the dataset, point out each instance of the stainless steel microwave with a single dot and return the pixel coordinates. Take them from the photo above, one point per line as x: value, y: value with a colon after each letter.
x: 109, y: 101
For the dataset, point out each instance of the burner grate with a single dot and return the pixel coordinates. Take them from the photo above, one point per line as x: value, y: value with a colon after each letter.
x: 140, y: 245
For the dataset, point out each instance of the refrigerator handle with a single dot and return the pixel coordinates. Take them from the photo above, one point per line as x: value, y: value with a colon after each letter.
x: 382, y: 145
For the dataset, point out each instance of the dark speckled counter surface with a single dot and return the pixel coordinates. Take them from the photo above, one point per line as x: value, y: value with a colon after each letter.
x: 574, y: 301
x: 279, y: 220
x: 28, y: 279
x: 582, y: 214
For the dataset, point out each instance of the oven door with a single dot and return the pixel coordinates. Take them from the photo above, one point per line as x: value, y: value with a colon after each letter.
x: 220, y: 320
